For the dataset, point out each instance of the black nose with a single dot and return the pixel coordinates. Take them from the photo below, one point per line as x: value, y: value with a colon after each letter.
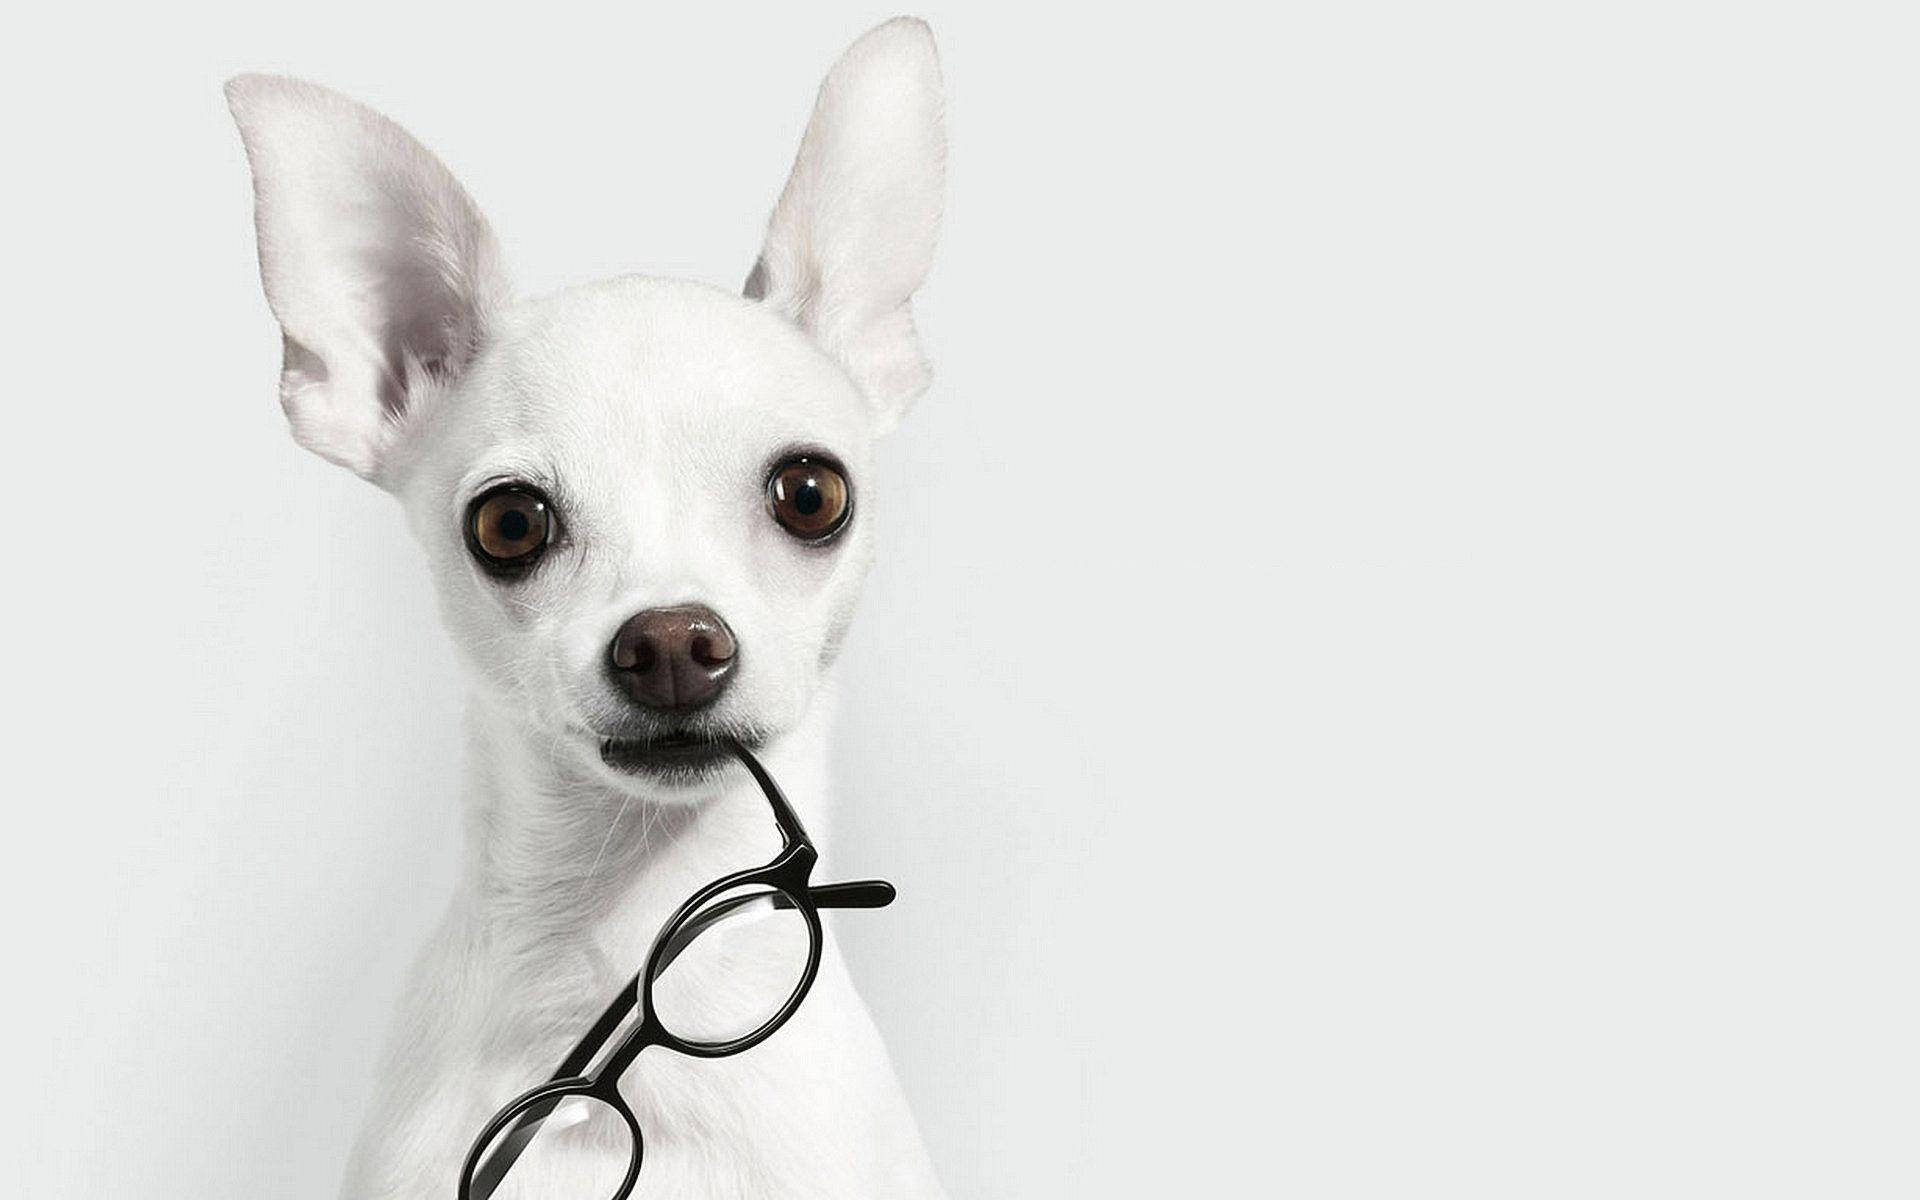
x: 673, y: 658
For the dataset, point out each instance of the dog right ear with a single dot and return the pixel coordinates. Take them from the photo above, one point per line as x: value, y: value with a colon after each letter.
x: 379, y: 268
x: 852, y: 236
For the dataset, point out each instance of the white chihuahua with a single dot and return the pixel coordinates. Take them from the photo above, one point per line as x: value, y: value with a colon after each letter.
x: 641, y: 501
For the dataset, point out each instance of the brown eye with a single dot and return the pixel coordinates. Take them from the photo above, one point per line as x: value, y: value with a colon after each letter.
x: 810, y: 498
x: 508, y: 527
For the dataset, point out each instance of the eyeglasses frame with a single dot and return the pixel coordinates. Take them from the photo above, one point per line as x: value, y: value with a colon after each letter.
x: 789, y: 875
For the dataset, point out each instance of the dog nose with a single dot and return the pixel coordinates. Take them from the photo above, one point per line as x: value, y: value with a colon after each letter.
x: 673, y: 658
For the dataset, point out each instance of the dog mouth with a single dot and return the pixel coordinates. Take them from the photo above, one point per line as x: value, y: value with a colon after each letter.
x: 679, y: 756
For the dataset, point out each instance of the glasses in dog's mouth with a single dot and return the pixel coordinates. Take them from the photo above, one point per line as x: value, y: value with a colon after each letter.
x: 678, y: 756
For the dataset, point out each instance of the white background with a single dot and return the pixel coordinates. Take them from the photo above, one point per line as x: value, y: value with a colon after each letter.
x: 1392, y: 666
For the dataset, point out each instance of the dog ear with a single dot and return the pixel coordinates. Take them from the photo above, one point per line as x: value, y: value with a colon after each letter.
x: 853, y: 234
x: 379, y: 268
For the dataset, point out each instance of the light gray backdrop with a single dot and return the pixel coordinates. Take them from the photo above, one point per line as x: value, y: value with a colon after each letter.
x: 1391, y: 671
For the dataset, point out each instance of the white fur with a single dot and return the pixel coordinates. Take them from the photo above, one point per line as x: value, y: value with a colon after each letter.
x: 853, y: 234
x: 649, y: 410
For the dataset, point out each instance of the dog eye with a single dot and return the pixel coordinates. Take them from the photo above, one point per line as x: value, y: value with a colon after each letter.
x: 508, y: 527
x: 810, y: 497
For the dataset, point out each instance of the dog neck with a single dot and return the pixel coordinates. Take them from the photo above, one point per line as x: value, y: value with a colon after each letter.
x: 566, y: 866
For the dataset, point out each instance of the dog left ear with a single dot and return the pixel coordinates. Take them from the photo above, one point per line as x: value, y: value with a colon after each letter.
x: 853, y: 235
x: 379, y: 268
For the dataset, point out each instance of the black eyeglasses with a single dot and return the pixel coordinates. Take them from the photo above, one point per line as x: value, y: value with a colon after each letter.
x: 726, y: 971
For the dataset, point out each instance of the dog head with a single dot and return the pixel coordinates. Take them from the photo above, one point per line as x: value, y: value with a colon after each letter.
x: 641, y: 499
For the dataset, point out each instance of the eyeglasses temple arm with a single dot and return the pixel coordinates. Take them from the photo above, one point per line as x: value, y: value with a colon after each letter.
x: 858, y: 893
x: 583, y: 1054
x: 791, y: 830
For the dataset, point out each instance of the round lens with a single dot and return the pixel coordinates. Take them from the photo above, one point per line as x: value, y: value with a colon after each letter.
x: 729, y: 968
x: 574, y: 1146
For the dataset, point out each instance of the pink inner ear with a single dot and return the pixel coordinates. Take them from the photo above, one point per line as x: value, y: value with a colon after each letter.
x: 378, y: 266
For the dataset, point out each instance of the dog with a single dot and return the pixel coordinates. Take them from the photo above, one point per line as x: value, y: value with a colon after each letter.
x: 644, y: 508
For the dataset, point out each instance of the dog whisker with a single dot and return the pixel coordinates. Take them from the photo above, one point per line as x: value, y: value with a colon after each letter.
x: 613, y: 825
